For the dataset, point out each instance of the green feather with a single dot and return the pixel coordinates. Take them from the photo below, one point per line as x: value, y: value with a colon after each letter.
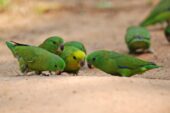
x: 118, y: 64
x: 52, y: 44
x: 137, y: 38
x: 160, y: 13
x: 73, y: 58
x: 76, y: 44
x: 35, y: 59
x: 11, y: 46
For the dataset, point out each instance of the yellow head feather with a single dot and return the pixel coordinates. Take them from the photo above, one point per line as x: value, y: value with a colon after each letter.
x: 80, y: 55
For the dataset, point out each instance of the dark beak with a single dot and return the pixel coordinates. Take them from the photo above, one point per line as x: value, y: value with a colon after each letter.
x: 89, y: 66
x: 82, y: 63
x: 62, y: 47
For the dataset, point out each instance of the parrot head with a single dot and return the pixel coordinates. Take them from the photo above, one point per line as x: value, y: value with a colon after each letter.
x: 53, y: 44
x: 76, y: 44
x: 77, y: 58
x: 95, y: 58
x: 57, y: 64
x: 137, y: 34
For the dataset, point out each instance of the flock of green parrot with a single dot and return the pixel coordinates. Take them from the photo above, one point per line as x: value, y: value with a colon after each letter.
x: 55, y: 55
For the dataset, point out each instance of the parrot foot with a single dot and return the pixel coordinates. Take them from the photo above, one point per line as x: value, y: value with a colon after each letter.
x: 131, y: 51
x: 150, y: 51
x: 75, y: 74
x: 141, y: 51
x: 25, y: 73
x: 43, y: 74
x: 58, y: 72
x: 50, y: 72
x: 38, y: 73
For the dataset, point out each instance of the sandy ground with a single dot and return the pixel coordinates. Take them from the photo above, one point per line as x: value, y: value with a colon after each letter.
x: 92, y: 91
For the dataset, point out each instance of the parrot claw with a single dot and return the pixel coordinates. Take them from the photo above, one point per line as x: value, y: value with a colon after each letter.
x: 25, y: 74
x: 43, y: 74
x: 50, y: 72
x: 75, y: 74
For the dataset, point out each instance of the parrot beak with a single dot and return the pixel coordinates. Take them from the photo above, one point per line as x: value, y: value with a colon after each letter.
x: 82, y: 63
x: 61, y: 47
x: 89, y: 65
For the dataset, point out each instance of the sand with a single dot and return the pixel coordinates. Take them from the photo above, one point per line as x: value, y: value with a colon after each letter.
x: 92, y: 91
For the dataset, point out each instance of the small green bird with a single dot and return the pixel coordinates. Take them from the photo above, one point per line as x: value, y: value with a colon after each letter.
x: 118, y: 64
x: 53, y: 44
x: 76, y: 44
x: 167, y: 33
x: 74, y: 59
x: 138, y: 39
x: 160, y: 13
x: 33, y: 58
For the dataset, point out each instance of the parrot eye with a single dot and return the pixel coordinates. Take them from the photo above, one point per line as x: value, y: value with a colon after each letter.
x: 94, y: 59
x: 55, y: 65
x: 74, y: 58
x: 54, y: 42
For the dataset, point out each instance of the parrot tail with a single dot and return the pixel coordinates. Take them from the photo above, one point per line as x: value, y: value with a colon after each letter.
x: 11, y: 46
x: 146, y: 22
x: 151, y: 65
x: 18, y: 44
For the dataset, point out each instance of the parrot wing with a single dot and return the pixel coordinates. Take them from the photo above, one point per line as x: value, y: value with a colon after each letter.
x: 26, y: 52
x: 163, y: 6
x: 125, y: 61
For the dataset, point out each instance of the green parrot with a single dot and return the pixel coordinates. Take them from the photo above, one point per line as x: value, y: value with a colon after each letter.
x: 70, y: 52
x: 76, y: 44
x: 36, y: 59
x: 167, y: 32
x: 160, y: 13
x: 138, y: 39
x: 118, y: 64
x: 74, y: 59
x: 53, y: 44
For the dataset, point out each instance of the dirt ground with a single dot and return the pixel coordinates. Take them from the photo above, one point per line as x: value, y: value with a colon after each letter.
x: 92, y: 91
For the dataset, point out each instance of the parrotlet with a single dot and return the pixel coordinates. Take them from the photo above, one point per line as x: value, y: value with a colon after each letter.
x: 138, y: 39
x: 32, y: 58
x: 118, y: 64
x: 161, y: 13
